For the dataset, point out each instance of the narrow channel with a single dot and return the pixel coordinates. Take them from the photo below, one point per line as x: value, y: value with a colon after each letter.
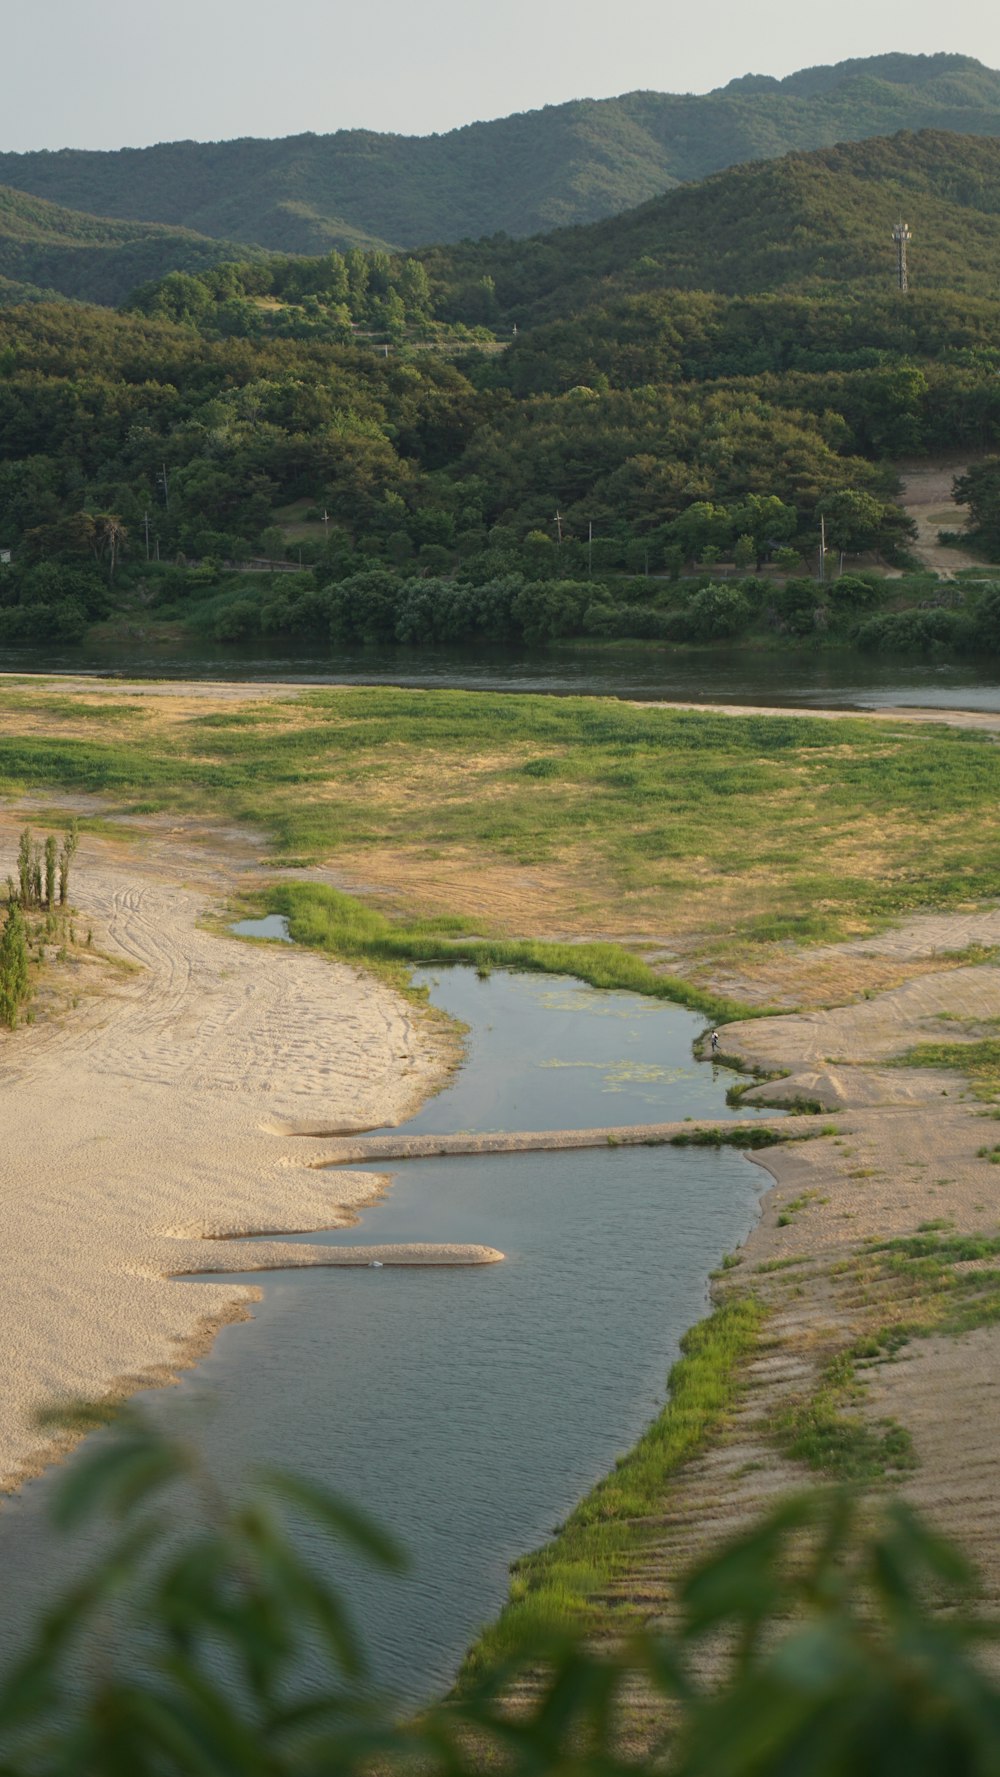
x: 469, y: 1409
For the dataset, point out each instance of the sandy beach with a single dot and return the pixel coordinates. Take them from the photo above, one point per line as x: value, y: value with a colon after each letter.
x: 145, y: 1123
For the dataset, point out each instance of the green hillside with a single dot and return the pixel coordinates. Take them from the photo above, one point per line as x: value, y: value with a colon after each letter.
x: 809, y: 223
x: 806, y: 221
x: 353, y: 410
x: 563, y: 165
x: 46, y: 249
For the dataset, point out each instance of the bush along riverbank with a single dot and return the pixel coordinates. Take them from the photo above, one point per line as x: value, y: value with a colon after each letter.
x: 914, y: 615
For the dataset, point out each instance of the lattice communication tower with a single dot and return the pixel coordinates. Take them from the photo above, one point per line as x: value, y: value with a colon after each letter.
x: 901, y: 235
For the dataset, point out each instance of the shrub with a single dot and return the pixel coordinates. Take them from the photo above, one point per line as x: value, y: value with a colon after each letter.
x: 714, y: 613
x: 912, y: 632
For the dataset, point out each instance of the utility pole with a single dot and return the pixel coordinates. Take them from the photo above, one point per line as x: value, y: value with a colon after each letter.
x: 164, y: 483
x: 901, y: 235
x: 145, y: 520
x: 822, y: 545
x: 590, y: 549
x: 559, y: 524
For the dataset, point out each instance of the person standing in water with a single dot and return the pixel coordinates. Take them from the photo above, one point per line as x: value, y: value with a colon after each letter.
x: 715, y: 1042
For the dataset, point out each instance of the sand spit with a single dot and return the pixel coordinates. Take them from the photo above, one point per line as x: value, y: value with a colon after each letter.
x: 535, y: 1141
x: 260, y: 1255
x: 136, y: 1127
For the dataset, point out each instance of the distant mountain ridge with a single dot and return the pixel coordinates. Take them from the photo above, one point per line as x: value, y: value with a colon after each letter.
x: 807, y: 222
x: 563, y: 165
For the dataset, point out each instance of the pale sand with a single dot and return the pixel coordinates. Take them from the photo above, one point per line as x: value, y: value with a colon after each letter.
x: 907, y: 1151
x: 904, y: 1152
x: 143, y: 1121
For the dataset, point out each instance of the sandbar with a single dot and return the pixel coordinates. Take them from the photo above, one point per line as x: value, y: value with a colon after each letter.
x: 137, y: 1131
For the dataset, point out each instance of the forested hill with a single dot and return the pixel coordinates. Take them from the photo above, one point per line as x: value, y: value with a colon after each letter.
x: 803, y: 222
x: 45, y: 248
x: 563, y: 165
x: 809, y: 223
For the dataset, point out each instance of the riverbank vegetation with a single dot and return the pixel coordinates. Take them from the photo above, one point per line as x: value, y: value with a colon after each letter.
x: 345, y: 927
x: 559, y: 1584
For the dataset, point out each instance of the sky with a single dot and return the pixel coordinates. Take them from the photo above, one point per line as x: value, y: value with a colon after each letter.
x: 124, y: 73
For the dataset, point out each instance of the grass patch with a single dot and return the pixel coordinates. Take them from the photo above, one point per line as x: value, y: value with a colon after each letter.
x: 558, y: 1584
x: 623, y: 806
x: 725, y: 1136
x: 979, y: 1061
x: 913, y: 1281
x: 843, y: 1445
x: 325, y: 919
x: 915, y: 1288
x: 797, y: 1204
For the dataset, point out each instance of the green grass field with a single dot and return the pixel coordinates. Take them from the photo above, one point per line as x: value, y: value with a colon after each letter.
x: 751, y: 829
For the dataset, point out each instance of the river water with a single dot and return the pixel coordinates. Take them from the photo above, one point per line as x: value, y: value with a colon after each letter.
x: 646, y: 671
x: 468, y: 1409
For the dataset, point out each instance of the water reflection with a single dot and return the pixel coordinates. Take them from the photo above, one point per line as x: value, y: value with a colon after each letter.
x: 647, y: 671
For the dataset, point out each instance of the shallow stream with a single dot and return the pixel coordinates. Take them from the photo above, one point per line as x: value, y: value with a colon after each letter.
x: 468, y: 1409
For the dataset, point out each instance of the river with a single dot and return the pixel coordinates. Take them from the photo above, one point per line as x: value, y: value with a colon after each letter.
x: 645, y: 671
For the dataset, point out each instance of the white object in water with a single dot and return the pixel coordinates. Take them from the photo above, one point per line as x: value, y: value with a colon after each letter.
x: 375, y: 1265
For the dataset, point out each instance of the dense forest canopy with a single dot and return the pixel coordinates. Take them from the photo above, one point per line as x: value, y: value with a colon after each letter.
x: 354, y: 415
x: 540, y: 170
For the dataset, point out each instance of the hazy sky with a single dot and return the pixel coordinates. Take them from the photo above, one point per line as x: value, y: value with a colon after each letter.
x: 110, y: 73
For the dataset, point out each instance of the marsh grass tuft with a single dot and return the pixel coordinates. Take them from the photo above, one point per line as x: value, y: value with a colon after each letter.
x: 328, y: 920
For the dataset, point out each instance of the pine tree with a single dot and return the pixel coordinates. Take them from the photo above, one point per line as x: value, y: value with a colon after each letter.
x: 50, y: 871
x: 35, y: 885
x: 67, y: 853
x: 24, y: 867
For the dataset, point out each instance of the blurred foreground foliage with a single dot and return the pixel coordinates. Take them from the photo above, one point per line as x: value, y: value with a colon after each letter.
x: 840, y: 1638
